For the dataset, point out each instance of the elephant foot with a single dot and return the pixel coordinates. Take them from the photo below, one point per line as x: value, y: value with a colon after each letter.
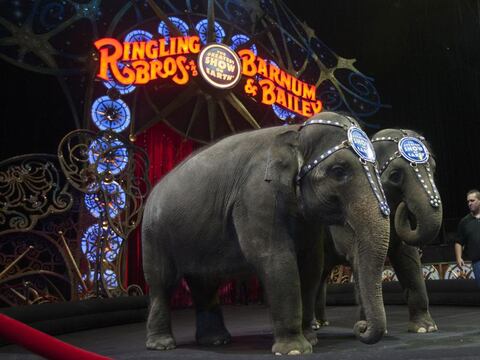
x: 211, y: 328
x: 214, y: 339
x: 422, y: 324
x: 160, y: 342
x: 295, y: 345
x: 317, y: 324
x: 311, y: 336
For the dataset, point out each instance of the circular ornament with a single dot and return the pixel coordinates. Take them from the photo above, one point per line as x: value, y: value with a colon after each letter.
x: 138, y: 35
x: 111, y: 197
x: 108, y: 114
x: 413, y: 150
x: 110, y: 153
x: 91, y: 240
x: 111, y: 83
x: 220, y: 66
x: 361, y: 144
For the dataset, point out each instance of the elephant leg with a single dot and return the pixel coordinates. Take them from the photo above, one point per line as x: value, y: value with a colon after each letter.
x: 279, y: 274
x: 310, y: 266
x: 162, y: 278
x: 321, y: 300
x: 211, y: 328
x: 159, y: 327
x: 407, y: 265
x: 267, y: 244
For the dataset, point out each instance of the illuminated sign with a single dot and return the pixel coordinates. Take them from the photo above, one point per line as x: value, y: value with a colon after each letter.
x: 148, y: 60
x: 277, y: 86
x: 219, y: 66
x: 138, y: 62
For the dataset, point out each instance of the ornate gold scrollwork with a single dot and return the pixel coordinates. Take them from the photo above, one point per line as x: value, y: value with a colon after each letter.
x: 83, y: 174
x: 34, y: 269
x: 31, y: 188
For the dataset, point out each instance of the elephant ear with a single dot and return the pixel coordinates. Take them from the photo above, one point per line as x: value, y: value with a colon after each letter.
x: 283, y: 159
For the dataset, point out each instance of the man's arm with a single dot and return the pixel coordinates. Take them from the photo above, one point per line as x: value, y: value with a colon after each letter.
x: 458, y: 254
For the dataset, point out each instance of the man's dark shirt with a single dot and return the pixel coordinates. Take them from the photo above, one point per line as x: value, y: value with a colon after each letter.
x: 469, y: 236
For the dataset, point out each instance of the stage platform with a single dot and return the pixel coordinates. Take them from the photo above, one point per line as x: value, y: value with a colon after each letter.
x: 458, y: 337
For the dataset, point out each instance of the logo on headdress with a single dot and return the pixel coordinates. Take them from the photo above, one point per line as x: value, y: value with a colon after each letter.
x: 361, y: 144
x: 413, y: 150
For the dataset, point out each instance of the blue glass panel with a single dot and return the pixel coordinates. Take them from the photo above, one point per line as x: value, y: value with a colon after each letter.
x: 115, y: 200
x: 90, y: 276
x: 110, y: 278
x: 93, y: 205
x: 138, y: 35
x: 91, y: 239
x: 179, y: 24
x: 108, y: 114
x: 241, y: 39
x: 89, y: 242
x: 282, y: 114
x: 111, y: 154
x: 111, y: 83
x: 202, y: 29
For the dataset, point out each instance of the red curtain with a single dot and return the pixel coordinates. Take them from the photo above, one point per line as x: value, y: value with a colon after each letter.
x: 166, y: 149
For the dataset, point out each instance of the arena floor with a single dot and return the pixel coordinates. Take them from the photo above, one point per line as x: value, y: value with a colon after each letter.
x: 458, y: 337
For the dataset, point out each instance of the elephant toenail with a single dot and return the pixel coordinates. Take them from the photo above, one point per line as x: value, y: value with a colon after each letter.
x: 294, y: 352
x: 422, y: 330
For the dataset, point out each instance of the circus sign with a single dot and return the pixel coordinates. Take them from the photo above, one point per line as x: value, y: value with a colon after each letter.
x: 148, y: 60
x: 277, y: 86
x: 219, y: 66
x: 139, y: 62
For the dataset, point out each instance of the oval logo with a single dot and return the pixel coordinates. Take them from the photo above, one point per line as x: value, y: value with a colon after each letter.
x: 361, y: 144
x: 220, y: 66
x: 413, y: 150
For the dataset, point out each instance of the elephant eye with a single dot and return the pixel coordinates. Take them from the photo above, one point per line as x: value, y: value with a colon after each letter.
x: 338, y: 172
x: 395, y: 177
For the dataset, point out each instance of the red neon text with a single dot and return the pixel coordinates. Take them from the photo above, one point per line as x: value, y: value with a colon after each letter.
x: 148, y: 60
x: 278, y: 86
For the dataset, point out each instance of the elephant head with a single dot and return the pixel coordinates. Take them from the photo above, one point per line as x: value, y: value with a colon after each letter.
x: 407, y: 169
x: 338, y: 184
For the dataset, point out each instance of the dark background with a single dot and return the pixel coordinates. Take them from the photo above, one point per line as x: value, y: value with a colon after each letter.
x: 424, y: 56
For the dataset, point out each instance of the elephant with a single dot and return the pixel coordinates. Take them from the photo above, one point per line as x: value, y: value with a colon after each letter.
x: 257, y: 202
x: 407, y: 168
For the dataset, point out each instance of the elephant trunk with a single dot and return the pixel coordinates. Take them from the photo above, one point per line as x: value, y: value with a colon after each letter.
x: 369, y: 262
x: 416, y: 223
x: 371, y: 235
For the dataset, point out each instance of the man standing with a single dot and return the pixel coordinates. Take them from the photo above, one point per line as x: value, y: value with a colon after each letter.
x: 469, y: 234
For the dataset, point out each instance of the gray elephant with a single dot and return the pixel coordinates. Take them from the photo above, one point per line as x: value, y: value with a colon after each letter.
x: 257, y: 201
x: 407, y: 169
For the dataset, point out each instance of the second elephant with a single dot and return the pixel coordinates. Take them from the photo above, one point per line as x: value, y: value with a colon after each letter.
x: 407, y: 169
